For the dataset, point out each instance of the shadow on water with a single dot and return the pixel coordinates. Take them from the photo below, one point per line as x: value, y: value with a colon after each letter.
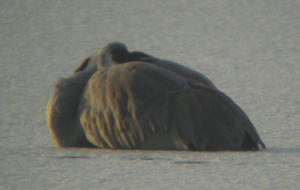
x: 75, y: 154
x: 191, y: 162
x: 72, y: 157
x: 155, y: 158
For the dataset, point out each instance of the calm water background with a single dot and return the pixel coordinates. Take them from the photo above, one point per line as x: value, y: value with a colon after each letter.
x: 250, y: 49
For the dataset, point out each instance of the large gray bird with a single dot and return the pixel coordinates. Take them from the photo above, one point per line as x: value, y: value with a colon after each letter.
x: 118, y: 99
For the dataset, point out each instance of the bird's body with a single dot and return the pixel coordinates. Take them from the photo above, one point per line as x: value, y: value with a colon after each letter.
x: 130, y: 100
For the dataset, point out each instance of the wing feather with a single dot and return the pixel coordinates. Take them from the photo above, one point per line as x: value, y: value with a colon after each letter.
x: 141, y: 105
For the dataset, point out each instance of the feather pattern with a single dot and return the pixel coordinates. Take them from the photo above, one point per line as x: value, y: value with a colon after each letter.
x: 131, y: 100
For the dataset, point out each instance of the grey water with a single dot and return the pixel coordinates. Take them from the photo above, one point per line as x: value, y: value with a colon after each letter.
x: 250, y: 49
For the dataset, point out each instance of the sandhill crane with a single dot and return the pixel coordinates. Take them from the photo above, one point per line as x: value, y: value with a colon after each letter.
x: 118, y: 99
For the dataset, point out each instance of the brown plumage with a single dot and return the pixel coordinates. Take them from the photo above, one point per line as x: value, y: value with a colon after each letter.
x: 130, y: 100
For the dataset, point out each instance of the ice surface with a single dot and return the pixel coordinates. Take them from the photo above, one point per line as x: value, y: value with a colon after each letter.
x: 250, y: 49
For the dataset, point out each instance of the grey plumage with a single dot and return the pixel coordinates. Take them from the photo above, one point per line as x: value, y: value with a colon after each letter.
x: 130, y: 100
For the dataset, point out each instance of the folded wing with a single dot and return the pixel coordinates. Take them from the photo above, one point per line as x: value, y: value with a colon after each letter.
x: 141, y: 105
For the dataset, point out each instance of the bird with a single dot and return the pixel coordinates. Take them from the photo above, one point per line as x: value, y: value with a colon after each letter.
x: 121, y: 99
